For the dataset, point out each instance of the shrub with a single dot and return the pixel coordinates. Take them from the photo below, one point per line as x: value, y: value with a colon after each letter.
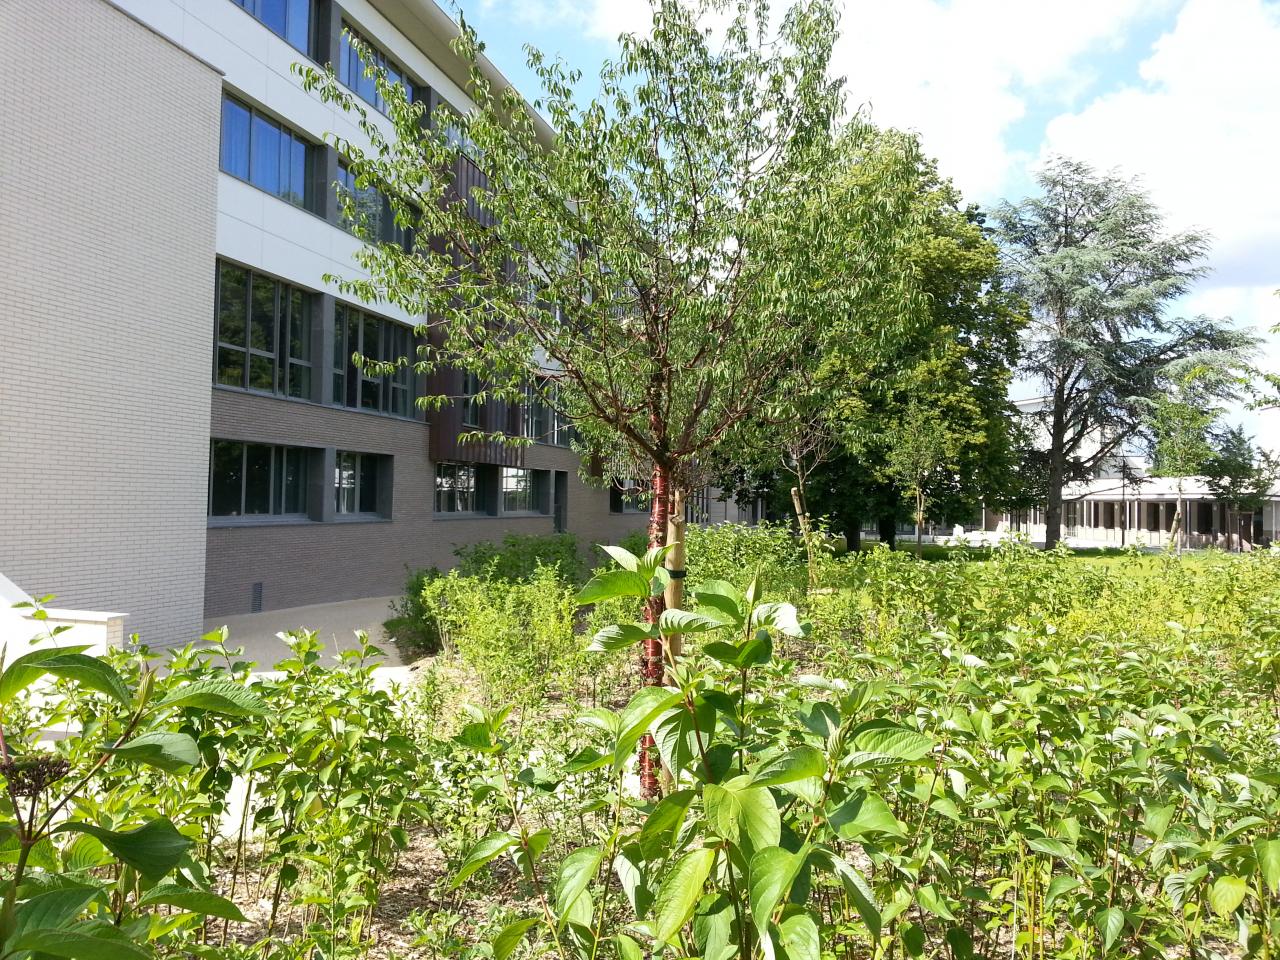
x: 519, y: 555
x: 414, y: 625
x: 517, y: 636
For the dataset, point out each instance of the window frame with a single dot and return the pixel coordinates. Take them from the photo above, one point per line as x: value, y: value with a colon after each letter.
x: 254, y: 9
x: 453, y: 493
x: 525, y: 492
x: 348, y: 53
x: 360, y: 486
x: 278, y: 494
x: 394, y: 340
x: 284, y: 364
x: 471, y: 409
x: 307, y: 200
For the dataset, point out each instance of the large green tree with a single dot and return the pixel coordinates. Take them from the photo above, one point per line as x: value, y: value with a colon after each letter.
x: 1242, y: 475
x: 1180, y: 426
x: 654, y: 263
x: 1093, y: 257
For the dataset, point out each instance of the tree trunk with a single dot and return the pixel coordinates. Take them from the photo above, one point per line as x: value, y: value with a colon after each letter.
x: 651, y: 666
x: 888, y: 530
x: 673, y: 597
x: 1057, y: 469
x: 806, y: 532
x: 853, y: 531
x: 919, y: 523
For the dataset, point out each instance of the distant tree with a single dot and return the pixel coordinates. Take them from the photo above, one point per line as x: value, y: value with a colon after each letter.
x: 1241, y: 475
x: 916, y: 450
x: 1093, y: 258
x: 1180, y: 427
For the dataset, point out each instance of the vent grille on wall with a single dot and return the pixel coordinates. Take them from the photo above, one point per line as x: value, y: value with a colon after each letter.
x: 255, y: 605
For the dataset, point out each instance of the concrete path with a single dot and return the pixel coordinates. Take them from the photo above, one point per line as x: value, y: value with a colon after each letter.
x: 335, y: 622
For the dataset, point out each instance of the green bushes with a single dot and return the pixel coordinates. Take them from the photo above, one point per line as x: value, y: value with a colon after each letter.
x: 519, y: 556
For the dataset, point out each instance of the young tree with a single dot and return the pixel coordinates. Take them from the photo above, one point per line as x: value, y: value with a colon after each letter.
x: 1180, y: 427
x: 652, y: 264
x: 1242, y: 475
x: 915, y: 450
x: 1093, y: 258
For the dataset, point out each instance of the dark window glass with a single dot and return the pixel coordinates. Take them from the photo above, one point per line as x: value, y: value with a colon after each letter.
x: 257, y: 479
x: 253, y: 479
x: 273, y: 14
x: 368, y: 484
x: 471, y: 412
x: 235, y: 138
x: 264, y: 330
x: 289, y: 19
x: 299, y: 370
x: 233, y: 293
x: 226, y: 478
x: 355, y: 482
x: 456, y: 488
x: 374, y: 338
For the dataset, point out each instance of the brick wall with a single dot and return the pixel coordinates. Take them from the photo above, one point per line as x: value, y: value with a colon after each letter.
x: 301, y: 563
x: 108, y: 167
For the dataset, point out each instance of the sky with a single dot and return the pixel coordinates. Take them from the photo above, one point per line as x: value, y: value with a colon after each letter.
x: 1183, y: 94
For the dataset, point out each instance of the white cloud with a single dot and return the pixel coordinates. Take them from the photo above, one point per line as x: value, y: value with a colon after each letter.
x: 963, y: 73
x: 1201, y: 129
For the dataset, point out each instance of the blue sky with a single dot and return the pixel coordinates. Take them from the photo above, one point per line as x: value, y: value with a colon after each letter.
x: 1182, y: 93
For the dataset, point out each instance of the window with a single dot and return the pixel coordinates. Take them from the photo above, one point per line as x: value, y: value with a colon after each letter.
x: 271, y: 157
x: 263, y: 333
x: 456, y: 488
x: 351, y: 70
x: 628, y: 496
x: 356, y: 479
x: 471, y: 404
x: 536, y: 419
x: 254, y: 479
x: 517, y: 490
x: 289, y: 19
x: 369, y: 205
x: 373, y: 338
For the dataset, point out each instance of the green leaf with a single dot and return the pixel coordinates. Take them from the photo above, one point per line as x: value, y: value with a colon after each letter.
x: 636, y: 717
x: 509, y: 937
x: 682, y: 621
x: 628, y: 949
x: 863, y: 813
x: 800, y: 763
x: 622, y: 556
x: 67, y: 663
x: 614, y: 583
x: 855, y: 887
x: 193, y: 901
x: 744, y: 815
x: 1227, y: 893
x: 23, y: 672
x: 773, y: 870
x: 152, y: 849
x: 167, y: 751
x: 1109, y: 923
x: 53, y: 908
x: 577, y: 870
x: 662, y: 826
x: 1053, y: 848
x: 881, y: 742
x: 1268, y: 854
x: 798, y: 937
x: 781, y: 617
x: 482, y: 853
x: 722, y: 597
x: 680, y: 892
x: 1057, y: 887
x: 619, y: 636
x: 929, y: 898
x: 224, y: 697
x: 89, y: 941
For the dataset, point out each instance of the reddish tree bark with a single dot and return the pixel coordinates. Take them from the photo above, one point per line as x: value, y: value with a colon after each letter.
x: 651, y: 666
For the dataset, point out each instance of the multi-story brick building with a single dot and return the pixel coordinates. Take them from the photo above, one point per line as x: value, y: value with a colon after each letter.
x: 182, y: 431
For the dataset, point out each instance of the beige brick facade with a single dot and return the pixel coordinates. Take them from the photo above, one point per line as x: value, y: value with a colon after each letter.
x: 108, y: 179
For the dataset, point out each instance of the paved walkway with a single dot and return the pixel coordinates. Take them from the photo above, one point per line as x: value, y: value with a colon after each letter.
x: 335, y: 622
